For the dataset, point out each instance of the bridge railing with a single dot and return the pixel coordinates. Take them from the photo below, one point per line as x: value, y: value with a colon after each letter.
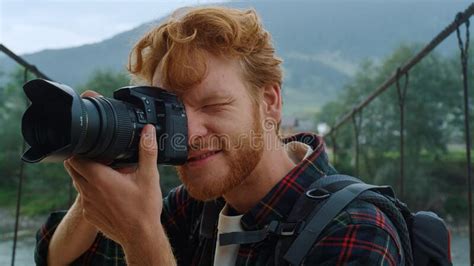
x: 353, y: 116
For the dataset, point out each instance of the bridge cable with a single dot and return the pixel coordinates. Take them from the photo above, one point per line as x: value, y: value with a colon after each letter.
x: 401, y: 102
x: 357, y: 121
x: 334, y: 148
x: 20, y: 185
x: 464, y: 48
x: 405, y: 67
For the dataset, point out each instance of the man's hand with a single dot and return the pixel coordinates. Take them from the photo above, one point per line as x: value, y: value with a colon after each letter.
x: 122, y: 205
x: 126, y: 205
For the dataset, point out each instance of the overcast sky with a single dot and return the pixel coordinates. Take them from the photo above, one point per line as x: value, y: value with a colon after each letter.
x: 28, y: 26
x: 32, y: 25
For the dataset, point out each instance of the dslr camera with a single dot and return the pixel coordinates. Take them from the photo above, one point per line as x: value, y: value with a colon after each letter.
x: 59, y: 123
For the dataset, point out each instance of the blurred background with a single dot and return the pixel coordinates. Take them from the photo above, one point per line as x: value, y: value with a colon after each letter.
x: 335, y: 54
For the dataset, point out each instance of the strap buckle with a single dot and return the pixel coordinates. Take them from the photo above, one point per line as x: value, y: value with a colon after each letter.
x: 274, y: 228
x: 284, y: 229
x: 289, y: 229
x: 318, y: 193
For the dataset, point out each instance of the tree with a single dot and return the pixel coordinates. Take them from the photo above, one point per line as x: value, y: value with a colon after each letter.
x: 431, y: 115
x: 12, y: 106
x: 105, y: 82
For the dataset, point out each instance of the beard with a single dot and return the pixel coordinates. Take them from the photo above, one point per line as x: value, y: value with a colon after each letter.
x: 241, y: 153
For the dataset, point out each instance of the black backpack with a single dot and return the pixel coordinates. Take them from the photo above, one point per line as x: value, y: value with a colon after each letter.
x: 424, y: 236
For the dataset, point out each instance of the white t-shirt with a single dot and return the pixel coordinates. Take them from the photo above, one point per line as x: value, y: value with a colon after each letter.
x: 227, y: 255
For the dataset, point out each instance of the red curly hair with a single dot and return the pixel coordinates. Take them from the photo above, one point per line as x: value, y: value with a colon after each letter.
x: 177, y: 48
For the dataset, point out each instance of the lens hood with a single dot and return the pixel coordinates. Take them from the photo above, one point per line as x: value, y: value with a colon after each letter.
x: 54, y: 123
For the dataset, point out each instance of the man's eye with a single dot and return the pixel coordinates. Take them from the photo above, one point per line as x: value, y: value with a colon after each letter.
x: 214, y: 106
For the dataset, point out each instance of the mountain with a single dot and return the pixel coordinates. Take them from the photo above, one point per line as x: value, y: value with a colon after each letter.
x: 321, y: 43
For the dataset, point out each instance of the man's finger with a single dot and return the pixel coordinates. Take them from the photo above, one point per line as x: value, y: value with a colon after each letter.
x: 127, y: 170
x: 79, y: 182
x: 89, y: 93
x: 148, y: 152
x: 93, y: 172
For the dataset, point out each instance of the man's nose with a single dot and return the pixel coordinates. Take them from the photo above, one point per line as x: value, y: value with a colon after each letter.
x: 196, y: 127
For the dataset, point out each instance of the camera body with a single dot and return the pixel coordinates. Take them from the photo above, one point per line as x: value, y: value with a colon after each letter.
x: 59, y: 124
x: 153, y: 105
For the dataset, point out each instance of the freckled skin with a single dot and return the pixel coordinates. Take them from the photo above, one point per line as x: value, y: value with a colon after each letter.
x: 217, y: 109
x: 252, y: 158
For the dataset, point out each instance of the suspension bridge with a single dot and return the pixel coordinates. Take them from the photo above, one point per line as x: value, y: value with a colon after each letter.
x: 399, y: 80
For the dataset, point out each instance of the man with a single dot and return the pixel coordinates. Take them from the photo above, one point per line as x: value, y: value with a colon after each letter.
x: 222, y: 65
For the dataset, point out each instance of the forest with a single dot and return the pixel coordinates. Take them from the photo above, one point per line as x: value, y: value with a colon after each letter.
x: 435, y: 161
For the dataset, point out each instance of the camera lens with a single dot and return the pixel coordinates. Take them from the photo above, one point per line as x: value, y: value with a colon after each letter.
x: 111, y: 129
x: 59, y: 123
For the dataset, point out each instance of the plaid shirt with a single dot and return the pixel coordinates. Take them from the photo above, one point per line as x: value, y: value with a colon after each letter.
x: 360, y: 235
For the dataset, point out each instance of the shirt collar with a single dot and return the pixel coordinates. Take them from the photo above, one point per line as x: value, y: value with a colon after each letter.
x: 277, y: 204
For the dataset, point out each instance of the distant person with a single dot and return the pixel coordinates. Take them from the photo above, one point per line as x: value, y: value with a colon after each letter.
x: 240, y: 176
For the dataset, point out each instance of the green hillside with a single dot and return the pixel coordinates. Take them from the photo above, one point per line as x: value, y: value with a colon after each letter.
x: 322, y: 43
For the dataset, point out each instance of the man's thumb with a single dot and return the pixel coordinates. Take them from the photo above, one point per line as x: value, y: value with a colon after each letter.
x: 148, y: 151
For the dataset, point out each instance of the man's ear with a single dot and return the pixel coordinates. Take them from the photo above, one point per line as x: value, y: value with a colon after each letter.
x: 272, y: 104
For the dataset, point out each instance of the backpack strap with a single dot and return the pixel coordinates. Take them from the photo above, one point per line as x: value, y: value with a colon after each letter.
x: 325, y: 199
x: 207, y: 228
x: 322, y: 217
x: 384, y: 199
x: 295, y: 222
x: 307, y: 203
x: 400, y: 217
x: 209, y: 218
